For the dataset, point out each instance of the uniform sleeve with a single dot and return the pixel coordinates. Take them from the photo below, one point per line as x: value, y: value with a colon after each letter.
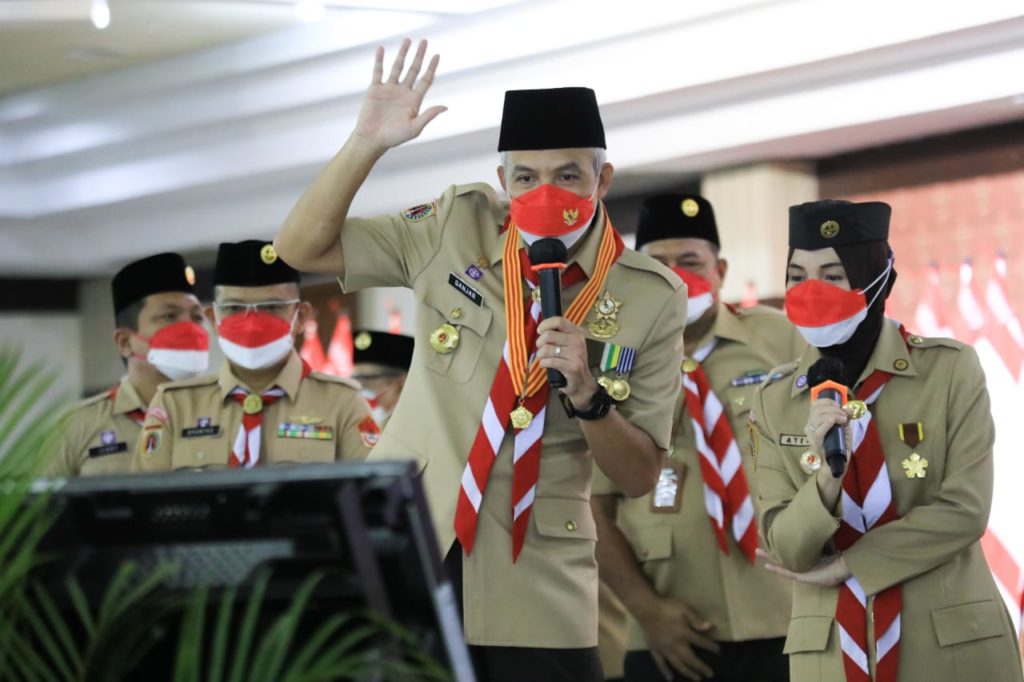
x: 655, y: 379
x: 154, y: 449
x: 357, y: 430
x: 62, y: 453
x: 391, y: 250
x: 794, y: 522
x: 929, y: 535
x: 602, y: 485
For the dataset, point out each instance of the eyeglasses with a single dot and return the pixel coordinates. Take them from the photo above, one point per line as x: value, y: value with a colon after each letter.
x: 279, y: 308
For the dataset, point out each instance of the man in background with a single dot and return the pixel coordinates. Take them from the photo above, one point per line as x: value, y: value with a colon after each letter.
x: 380, y: 363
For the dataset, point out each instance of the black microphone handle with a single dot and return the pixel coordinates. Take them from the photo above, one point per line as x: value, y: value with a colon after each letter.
x: 835, y: 439
x: 551, y: 306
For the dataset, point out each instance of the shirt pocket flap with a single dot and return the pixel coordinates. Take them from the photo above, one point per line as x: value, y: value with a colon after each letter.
x: 652, y: 543
x: 457, y: 309
x: 967, y: 622
x: 808, y: 633
x: 563, y: 518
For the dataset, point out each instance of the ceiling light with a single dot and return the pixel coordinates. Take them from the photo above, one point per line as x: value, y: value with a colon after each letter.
x: 99, y: 13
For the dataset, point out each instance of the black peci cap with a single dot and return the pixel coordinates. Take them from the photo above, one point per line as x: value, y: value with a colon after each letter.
x: 152, y: 275
x: 676, y: 216
x: 832, y: 222
x: 251, y: 263
x: 381, y: 348
x: 556, y: 118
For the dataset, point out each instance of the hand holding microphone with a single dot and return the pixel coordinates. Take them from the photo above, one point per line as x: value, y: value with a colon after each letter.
x: 826, y: 424
x: 548, y: 257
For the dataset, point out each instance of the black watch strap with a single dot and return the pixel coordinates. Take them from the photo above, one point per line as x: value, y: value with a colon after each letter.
x: 599, y: 406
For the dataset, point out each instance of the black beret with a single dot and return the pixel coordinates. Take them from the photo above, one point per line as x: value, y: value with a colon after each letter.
x: 832, y: 222
x: 152, y: 275
x: 557, y: 118
x: 251, y: 263
x: 381, y: 348
x: 675, y: 216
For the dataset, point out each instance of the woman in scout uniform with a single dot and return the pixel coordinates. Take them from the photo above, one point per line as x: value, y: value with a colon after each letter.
x: 890, y: 580
x: 699, y: 604
x: 477, y: 411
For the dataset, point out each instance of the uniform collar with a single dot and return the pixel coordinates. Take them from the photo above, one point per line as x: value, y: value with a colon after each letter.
x: 287, y: 379
x: 891, y: 355
x: 127, y: 399
x: 586, y: 254
x: 728, y: 326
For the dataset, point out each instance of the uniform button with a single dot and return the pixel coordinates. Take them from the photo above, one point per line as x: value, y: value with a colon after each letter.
x: 901, y: 365
x: 456, y: 314
x: 916, y: 340
x: 570, y: 526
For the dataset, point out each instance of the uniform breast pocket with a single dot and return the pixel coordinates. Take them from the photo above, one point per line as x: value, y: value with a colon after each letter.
x: 201, y: 453
x: 453, y: 332
x: 738, y: 400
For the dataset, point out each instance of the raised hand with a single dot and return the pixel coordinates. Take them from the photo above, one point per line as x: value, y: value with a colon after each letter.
x: 391, y: 114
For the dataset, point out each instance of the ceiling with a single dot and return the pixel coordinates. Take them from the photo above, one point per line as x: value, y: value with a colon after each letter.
x: 43, y: 42
x: 216, y: 144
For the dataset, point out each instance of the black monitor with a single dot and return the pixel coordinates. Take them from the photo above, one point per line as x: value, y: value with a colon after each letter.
x: 365, y: 524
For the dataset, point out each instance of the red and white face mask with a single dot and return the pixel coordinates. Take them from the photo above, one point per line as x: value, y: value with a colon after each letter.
x: 255, y: 340
x: 827, y: 315
x: 180, y: 350
x: 699, y: 297
x: 550, y: 211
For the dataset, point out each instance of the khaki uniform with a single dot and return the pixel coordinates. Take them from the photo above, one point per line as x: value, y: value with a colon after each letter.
x: 677, y: 549
x: 195, y: 422
x: 954, y: 624
x: 548, y: 598
x: 99, y: 435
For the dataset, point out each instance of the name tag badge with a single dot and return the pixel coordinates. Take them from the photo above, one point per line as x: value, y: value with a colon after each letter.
x: 667, y: 497
x: 109, y: 449
x: 794, y: 440
x: 466, y: 290
x: 201, y: 432
x: 305, y: 431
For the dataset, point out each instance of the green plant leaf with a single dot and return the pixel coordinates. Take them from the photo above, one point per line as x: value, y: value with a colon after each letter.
x: 245, y: 633
x: 190, y: 643
x: 275, y: 645
x: 218, y: 651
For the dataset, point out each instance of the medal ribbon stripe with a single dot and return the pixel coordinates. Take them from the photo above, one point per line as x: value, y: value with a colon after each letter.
x: 867, y: 503
x: 510, y: 382
x: 726, y: 491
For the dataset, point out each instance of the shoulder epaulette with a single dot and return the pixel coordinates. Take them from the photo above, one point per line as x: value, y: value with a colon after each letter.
x: 330, y: 378
x: 915, y: 341
x: 638, y: 261
x: 204, y: 380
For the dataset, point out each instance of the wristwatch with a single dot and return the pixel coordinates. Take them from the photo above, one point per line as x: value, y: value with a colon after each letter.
x: 599, y: 406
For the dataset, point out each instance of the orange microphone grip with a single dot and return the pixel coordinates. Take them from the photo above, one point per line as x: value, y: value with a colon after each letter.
x: 826, y: 385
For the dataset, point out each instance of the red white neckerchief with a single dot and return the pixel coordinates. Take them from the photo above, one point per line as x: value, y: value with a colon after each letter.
x: 726, y: 492
x: 245, y: 452
x: 509, y: 385
x: 867, y: 503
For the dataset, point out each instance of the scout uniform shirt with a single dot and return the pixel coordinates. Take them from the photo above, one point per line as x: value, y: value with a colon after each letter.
x: 99, y: 434
x: 192, y: 424
x: 449, y: 252
x: 936, y: 432
x: 676, y: 544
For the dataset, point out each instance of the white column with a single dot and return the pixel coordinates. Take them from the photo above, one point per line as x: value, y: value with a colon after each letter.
x: 752, y: 210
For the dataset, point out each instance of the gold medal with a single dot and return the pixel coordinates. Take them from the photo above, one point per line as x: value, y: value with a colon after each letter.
x: 253, y: 404
x: 605, y: 383
x: 606, y: 325
x: 619, y: 390
x: 916, y: 466
x: 444, y: 339
x: 521, y: 418
x: 810, y: 462
x: 690, y: 365
x: 855, y: 408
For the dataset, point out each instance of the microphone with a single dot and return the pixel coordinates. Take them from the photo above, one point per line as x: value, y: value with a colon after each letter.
x: 548, y: 257
x: 826, y: 376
